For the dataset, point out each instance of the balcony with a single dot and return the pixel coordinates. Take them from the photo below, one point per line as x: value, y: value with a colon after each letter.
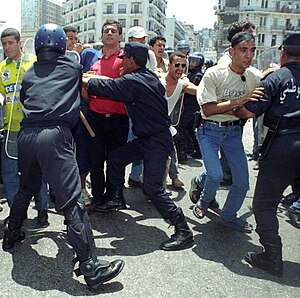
x: 136, y: 11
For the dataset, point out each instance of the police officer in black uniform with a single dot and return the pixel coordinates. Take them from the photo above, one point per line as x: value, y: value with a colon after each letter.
x: 280, y: 162
x: 50, y: 96
x: 143, y: 95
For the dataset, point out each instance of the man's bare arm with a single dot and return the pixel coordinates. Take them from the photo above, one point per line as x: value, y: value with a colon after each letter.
x: 214, y: 108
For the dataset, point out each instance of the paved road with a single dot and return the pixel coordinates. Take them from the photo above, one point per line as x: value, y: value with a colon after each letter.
x: 214, y: 267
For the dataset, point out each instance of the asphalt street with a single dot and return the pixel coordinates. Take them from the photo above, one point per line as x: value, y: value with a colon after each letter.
x: 41, y: 265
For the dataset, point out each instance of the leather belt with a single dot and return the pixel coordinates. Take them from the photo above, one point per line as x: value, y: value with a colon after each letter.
x: 224, y: 123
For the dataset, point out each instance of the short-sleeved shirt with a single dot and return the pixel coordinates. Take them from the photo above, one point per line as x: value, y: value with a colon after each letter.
x: 281, y: 100
x: 221, y: 84
x: 110, y: 67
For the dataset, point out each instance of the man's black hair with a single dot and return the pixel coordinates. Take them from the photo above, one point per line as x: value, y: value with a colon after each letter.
x: 176, y: 54
x: 11, y: 32
x: 155, y: 38
x: 237, y: 27
x: 70, y: 29
x: 112, y: 22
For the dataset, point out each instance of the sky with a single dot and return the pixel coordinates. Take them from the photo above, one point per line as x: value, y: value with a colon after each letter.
x: 195, y: 12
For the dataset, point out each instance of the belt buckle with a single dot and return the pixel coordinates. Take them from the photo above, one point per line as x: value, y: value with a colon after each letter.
x: 107, y: 115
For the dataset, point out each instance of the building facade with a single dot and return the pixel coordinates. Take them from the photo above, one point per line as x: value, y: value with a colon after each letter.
x: 35, y: 13
x: 88, y: 16
x: 272, y: 19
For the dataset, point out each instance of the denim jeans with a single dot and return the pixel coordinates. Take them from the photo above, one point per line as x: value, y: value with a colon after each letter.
x: 173, y: 171
x: 296, y: 206
x: 137, y: 166
x: 211, y: 138
x: 10, y: 177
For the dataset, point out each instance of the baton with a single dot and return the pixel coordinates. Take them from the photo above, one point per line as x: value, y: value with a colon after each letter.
x: 87, y: 125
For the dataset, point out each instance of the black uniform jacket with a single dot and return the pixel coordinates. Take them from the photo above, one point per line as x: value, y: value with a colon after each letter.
x: 50, y: 93
x: 143, y: 95
x: 281, y: 98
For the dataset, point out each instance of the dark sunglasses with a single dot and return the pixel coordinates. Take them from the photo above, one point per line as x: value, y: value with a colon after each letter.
x: 183, y: 65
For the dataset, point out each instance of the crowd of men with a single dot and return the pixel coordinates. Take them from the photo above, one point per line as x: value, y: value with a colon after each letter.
x: 136, y: 105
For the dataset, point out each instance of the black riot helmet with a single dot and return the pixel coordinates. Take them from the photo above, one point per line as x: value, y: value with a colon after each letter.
x: 50, y: 38
x: 196, y: 60
x: 183, y: 46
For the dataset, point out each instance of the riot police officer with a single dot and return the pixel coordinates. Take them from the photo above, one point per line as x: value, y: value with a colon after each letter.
x: 50, y: 96
x: 280, y: 163
x: 183, y: 46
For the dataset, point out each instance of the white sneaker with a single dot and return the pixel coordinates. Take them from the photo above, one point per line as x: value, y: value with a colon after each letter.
x: 85, y: 197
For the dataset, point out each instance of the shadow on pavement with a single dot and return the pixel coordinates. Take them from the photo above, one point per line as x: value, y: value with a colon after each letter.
x: 228, y: 247
x: 42, y: 272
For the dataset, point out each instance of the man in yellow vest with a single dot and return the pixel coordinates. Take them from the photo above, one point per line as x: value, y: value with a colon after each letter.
x: 12, y: 70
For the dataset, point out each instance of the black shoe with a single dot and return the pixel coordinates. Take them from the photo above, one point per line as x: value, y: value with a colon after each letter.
x: 196, y: 155
x: 294, y: 216
x: 11, y: 237
x: 227, y: 182
x: 182, y: 159
x: 111, y: 205
x: 104, y: 274
x: 183, y: 237
x: 290, y: 199
x: 42, y: 217
x: 213, y: 204
x: 133, y: 183
x: 270, y: 260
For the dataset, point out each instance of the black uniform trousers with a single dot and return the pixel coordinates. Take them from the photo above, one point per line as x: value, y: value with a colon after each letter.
x: 111, y: 132
x: 279, y: 168
x: 154, y: 150
x: 48, y: 152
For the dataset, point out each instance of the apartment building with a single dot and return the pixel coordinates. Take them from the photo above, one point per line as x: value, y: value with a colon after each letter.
x: 35, y: 13
x: 272, y: 19
x: 88, y: 16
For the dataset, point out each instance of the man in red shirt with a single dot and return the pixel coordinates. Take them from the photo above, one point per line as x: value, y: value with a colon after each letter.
x: 108, y: 118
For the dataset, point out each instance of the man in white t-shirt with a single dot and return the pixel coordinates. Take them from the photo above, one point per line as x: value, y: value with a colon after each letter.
x: 224, y: 88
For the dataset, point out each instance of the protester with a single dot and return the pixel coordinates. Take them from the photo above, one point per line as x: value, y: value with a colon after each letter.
x: 12, y: 71
x: 222, y: 89
x: 107, y: 118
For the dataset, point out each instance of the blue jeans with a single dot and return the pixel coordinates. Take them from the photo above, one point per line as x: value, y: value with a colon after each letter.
x: 10, y: 177
x: 211, y: 138
x: 137, y: 166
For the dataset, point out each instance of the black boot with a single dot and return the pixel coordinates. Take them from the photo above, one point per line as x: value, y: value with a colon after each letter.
x: 270, y: 260
x: 115, y: 201
x: 12, y: 233
x: 99, y: 272
x: 183, y: 237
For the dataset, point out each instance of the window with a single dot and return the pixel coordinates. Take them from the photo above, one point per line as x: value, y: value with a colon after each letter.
x: 261, y: 38
x: 122, y: 8
x: 273, y: 41
x: 135, y: 8
x: 109, y: 9
x: 122, y: 22
x: 262, y: 21
x: 249, y: 2
x: 135, y: 22
x: 264, y: 3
